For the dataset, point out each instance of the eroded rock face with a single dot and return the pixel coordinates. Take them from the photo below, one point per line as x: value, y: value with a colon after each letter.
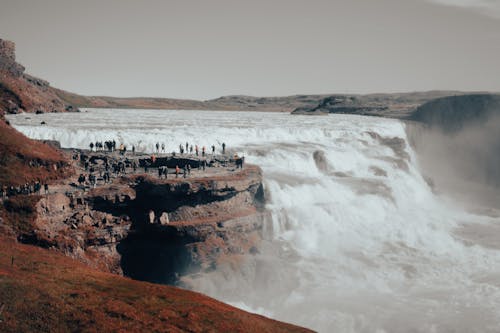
x: 69, y: 224
x: 8, y: 58
x: 22, y: 92
x: 157, y: 230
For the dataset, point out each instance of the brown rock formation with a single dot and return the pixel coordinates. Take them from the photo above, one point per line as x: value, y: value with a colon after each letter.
x: 8, y: 58
x: 23, y: 92
x: 197, y: 223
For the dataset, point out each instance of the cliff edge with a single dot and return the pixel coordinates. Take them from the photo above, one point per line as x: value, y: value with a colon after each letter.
x: 454, y: 112
x: 22, y: 92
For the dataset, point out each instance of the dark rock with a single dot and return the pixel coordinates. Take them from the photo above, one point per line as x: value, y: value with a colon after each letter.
x: 452, y: 113
x: 320, y: 160
x: 8, y: 58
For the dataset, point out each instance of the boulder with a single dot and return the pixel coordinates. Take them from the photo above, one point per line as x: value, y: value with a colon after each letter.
x: 164, y: 218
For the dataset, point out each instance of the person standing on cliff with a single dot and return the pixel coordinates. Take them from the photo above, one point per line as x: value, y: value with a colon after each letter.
x: 223, y: 148
x: 196, y: 150
x: 163, y: 148
x: 91, y: 146
x: 213, y: 149
x: 203, y: 151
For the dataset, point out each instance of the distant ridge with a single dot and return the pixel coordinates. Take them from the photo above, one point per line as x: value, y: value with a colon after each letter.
x: 22, y: 92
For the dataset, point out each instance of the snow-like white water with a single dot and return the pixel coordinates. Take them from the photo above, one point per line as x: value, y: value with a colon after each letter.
x: 363, y: 246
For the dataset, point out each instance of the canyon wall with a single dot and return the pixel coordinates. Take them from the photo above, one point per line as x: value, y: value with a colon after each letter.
x: 156, y: 230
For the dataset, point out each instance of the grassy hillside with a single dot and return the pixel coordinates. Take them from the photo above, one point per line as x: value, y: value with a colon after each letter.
x: 43, y: 291
x: 23, y: 160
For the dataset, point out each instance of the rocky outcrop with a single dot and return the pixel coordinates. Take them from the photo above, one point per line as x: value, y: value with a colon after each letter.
x: 22, y: 92
x: 157, y: 230
x: 453, y: 113
x: 342, y: 104
x: 457, y: 140
x: 8, y: 58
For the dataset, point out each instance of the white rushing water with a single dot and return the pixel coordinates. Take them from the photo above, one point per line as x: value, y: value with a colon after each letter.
x: 357, y: 244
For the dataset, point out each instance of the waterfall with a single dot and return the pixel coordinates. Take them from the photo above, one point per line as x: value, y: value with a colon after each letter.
x: 358, y: 241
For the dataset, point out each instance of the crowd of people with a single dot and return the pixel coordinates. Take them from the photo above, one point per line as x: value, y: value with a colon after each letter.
x: 26, y: 189
x: 111, y: 166
x: 189, y: 149
x: 110, y: 146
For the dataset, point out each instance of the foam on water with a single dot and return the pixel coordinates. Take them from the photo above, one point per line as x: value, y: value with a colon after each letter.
x: 347, y: 249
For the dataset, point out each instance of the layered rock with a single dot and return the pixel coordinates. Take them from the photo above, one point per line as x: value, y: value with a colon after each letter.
x: 157, y: 230
x: 8, y: 58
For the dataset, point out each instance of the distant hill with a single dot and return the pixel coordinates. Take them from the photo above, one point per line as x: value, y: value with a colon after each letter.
x: 234, y: 103
x: 396, y: 105
x: 22, y: 92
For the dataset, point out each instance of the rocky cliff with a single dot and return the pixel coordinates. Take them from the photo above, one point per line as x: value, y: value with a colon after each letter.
x: 454, y: 112
x: 155, y: 230
x: 8, y: 59
x: 23, y: 92
x: 457, y: 140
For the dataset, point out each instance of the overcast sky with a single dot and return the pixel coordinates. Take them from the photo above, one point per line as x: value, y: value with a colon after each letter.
x: 208, y: 48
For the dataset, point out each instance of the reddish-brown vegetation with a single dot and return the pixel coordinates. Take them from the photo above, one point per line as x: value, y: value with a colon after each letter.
x: 23, y: 160
x: 18, y: 213
x: 44, y: 291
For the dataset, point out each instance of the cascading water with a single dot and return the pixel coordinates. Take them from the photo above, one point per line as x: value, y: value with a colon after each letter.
x: 357, y: 240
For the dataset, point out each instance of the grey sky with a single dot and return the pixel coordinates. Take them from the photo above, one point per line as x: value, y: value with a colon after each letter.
x: 486, y: 7
x: 208, y: 48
